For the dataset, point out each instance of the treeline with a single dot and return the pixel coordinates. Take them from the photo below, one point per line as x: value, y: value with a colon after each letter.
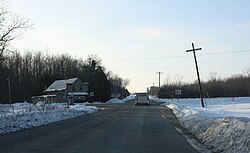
x: 235, y: 86
x: 31, y: 73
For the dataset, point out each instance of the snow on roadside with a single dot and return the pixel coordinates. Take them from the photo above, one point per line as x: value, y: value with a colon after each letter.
x: 116, y: 100
x: 27, y: 115
x: 220, y: 132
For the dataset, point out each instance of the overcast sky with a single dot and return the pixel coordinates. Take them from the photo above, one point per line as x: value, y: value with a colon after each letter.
x: 137, y: 38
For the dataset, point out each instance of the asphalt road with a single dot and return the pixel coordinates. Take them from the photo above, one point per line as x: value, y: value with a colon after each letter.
x: 119, y: 128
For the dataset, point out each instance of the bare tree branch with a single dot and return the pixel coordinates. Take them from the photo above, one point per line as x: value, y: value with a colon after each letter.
x: 11, y: 27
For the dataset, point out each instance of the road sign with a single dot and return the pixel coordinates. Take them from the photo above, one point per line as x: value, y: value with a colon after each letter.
x: 177, y: 92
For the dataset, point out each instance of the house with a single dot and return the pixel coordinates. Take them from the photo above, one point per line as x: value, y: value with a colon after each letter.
x: 70, y: 90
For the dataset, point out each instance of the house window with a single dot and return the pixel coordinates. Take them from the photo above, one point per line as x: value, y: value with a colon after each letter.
x: 81, y: 87
x: 73, y: 87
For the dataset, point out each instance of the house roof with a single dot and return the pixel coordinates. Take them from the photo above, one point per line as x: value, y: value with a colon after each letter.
x: 60, y: 84
x: 71, y: 81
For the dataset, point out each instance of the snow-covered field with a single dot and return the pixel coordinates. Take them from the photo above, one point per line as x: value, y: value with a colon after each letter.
x: 223, y: 126
x: 26, y: 115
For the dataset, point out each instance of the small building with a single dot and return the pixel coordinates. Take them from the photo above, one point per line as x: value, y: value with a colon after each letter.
x: 70, y: 90
x: 154, y: 91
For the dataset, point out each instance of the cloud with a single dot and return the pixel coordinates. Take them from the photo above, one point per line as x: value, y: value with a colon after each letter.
x: 232, y: 37
x: 150, y: 32
x: 163, y: 40
x: 166, y: 33
x: 240, y: 29
x: 55, y: 38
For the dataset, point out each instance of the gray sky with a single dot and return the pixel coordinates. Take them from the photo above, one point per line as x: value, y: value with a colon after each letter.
x: 136, y: 38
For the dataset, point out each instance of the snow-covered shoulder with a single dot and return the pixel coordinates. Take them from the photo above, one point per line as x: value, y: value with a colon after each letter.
x: 223, y: 126
x: 116, y: 100
x: 26, y: 115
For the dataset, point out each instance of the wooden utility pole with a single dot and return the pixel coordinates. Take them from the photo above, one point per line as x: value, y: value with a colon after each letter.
x: 9, y: 87
x: 159, y: 78
x: 197, y: 70
x: 8, y: 80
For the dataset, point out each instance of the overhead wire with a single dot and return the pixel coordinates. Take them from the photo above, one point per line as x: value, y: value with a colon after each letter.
x: 207, y: 64
x: 178, y: 56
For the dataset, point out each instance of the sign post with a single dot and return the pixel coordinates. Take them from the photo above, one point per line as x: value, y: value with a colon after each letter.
x: 171, y: 95
x: 178, y: 93
x: 91, y: 96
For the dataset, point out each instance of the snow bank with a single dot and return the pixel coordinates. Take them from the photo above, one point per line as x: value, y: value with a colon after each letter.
x: 158, y: 100
x: 27, y: 115
x: 219, y: 130
x: 115, y: 100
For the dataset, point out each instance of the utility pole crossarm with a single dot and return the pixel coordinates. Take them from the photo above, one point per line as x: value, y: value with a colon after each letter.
x: 191, y: 50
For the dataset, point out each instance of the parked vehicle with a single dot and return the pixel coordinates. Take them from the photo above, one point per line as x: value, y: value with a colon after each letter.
x: 141, y: 99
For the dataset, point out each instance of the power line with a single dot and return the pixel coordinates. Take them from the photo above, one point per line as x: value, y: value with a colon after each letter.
x: 185, y: 66
x: 178, y: 56
x: 141, y: 59
x: 228, y: 52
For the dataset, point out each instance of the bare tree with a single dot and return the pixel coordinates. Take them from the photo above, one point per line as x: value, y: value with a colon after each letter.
x: 214, y: 76
x: 178, y: 79
x: 125, y: 82
x: 168, y: 79
x: 11, y: 27
x: 246, y: 72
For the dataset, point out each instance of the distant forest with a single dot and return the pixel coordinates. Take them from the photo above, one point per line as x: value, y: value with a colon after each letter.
x: 234, y: 86
x: 32, y: 72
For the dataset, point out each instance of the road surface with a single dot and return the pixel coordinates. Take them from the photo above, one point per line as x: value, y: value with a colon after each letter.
x: 119, y: 128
